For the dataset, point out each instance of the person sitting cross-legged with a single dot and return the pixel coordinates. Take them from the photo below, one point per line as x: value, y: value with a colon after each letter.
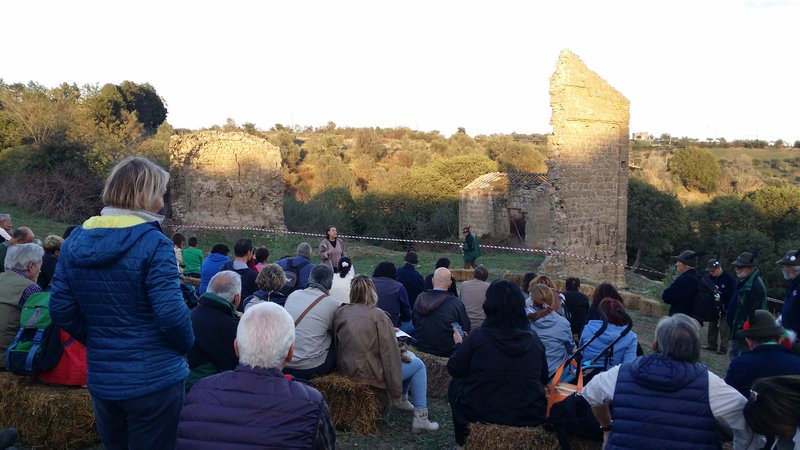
x: 214, y: 322
x: 254, y: 406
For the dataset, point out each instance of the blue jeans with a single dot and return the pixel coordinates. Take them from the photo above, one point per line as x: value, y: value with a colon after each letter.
x: 148, y: 422
x: 415, y: 380
x: 407, y: 327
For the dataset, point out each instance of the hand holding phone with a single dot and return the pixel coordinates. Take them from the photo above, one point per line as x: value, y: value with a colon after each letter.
x: 457, y: 328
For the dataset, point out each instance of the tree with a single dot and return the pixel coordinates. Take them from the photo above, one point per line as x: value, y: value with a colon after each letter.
x: 656, y: 220
x: 695, y: 168
x: 111, y: 103
x: 775, y: 202
x: 796, y: 144
x: 779, y: 143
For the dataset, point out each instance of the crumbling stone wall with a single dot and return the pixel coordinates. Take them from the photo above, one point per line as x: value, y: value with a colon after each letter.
x: 588, y: 169
x: 225, y: 179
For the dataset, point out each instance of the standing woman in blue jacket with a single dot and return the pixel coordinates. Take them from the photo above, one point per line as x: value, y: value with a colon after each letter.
x: 116, y: 291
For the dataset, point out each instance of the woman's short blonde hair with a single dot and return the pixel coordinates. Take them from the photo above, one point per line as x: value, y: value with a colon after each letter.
x: 52, y: 243
x: 271, y: 278
x: 135, y: 183
x: 362, y: 291
x: 545, y: 280
x: 541, y: 295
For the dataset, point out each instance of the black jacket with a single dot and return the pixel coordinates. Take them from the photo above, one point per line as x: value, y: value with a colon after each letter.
x: 434, y: 312
x: 681, y: 293
x: 578, y: 305
x: 214, y: 323
x: 499, y: 377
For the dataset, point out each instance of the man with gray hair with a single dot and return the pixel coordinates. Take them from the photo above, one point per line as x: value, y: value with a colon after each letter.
x: 22, y: 235
x: 297, y: 269
x: 667, y: 399
x: 255, y: 406
x: 5, y: 227
x: 312, y: 310
x: 23, y: 263
x: 214, y: 322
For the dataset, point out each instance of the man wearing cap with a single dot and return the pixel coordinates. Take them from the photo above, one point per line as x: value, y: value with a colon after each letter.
x: 790, y: 267
x: 725, y: 284
x: 766, y: 358
x: 412, y: 280
x: 470, y: 249
x: 750, y: 294
x: 681, y: 293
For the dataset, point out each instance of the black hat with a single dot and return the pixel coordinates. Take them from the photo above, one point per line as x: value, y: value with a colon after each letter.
x: 712, y: 264
x: 762, y: 325
x: 687, y: 257
x: 791, y: 258
x: 466, y: 229
x: 746, y: 259
x: 412, y: 258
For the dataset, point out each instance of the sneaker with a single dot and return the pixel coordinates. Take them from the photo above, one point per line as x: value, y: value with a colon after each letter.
x: 708, y: 347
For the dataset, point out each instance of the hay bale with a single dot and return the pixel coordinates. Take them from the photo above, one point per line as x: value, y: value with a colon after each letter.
x: 47, y: 416
x: 438, y: 377
x: 652, y: 308
x: 516, y: 278
x: 463, y: 274
x: 631, y: 301
x: 194, y: 282
x: 503, y: 437
x: 354, y: 406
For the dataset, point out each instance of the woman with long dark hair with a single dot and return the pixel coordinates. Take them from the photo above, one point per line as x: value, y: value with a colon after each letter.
x: 499, y: 370
x: 331, y: 248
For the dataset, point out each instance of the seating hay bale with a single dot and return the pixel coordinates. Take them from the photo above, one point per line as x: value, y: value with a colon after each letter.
x: 462, y: 274
x: 516, y: 278
x: 354, y: 406
x: 652, y: 308
x: 503, y: 437
x: 47, y: 416
x: 438, y: 376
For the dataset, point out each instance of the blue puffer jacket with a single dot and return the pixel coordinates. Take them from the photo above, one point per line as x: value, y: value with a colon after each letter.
x: 624, y: 350
x: 662, y: 403
x: 116, y: 291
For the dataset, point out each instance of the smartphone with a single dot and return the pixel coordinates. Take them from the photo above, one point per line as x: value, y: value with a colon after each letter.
x: 458, y: 328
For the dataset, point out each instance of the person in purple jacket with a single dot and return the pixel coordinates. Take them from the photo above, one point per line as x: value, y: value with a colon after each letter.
x: 116, y: 291
x: 255, y: 406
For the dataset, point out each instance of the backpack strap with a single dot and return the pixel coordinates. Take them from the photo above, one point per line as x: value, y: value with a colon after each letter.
x: 37, y: 341
x: 313, y: 304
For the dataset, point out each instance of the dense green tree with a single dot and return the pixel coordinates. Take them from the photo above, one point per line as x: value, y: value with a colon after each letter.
x: 113, y: 104
x: 775, y: 202
x: 656, y: 220
x: 695, y: 168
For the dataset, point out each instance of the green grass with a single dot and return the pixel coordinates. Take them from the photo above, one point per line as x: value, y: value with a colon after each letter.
x: 41, y: 226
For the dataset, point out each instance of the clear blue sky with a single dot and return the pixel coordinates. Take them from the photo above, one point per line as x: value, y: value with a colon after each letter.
x: 695, y: 68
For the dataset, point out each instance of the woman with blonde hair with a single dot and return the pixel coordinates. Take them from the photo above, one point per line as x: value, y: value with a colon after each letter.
x: 116, y: 290
x: 367, y: 351
x: 545, y: 280
x: 553, y: 329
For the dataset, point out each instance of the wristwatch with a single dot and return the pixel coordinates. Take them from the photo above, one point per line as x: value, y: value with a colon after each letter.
x: 608, y: 428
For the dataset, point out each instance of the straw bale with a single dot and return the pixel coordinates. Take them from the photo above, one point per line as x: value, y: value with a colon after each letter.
x: 436, y: 368
x: 516, y: 278
x: 632, y: 301
x: 47, y: 416
x: 194, y: 282
x: 354, y: 406
x: 463, y: 274
x: 652, y: 308
x: 503, y: 437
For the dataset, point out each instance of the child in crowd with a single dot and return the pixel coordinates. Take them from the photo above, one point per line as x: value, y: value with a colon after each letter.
x: 192, y: 259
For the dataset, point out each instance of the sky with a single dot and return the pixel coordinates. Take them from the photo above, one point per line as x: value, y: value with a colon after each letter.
x: 702, y: 69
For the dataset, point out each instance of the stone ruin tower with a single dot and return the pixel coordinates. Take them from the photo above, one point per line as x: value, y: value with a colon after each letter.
x: 225, y: 179
x: 588, y: 170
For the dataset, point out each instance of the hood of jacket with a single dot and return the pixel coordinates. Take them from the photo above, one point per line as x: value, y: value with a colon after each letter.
x: 513, y: 342
x: 428, y: 301
x: 546, y: 321
x: 217, y: 258
x: 660, y: 373
x: 102, y: 240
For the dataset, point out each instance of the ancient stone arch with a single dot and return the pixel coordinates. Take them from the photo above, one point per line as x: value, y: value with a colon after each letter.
x: 225, y: 179
x: 580, y: 206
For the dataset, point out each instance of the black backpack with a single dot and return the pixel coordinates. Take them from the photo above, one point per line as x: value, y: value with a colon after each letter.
x: 292, y: 274
x: 707, y: 306
x: 573, y: 416
x: 37, y: 346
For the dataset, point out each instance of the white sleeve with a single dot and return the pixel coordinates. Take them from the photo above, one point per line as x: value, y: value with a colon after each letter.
x: 726, y: 405
x: 601, y: 389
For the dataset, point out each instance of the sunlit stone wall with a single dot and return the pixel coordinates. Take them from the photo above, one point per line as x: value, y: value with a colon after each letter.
x: 225, y: 179
x: 588, y: 170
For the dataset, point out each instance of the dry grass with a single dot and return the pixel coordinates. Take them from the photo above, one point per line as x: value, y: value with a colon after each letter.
x: 354, y: 407
x: 48, y: 417
x: 436, y: 368
x: 502, y: 437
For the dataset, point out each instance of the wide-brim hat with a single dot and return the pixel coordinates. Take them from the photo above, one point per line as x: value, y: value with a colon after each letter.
x: 791, y: 258
x: 466, y: 229
x: 746, y: 259
x: 762, y: 325
x: 712, y: 264
x: 687, y: 257
x: 412, y: 258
